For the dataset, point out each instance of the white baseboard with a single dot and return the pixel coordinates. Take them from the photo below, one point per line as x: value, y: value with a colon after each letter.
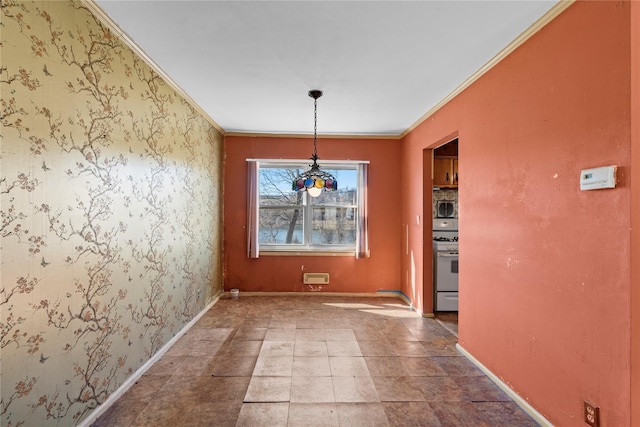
x: 120, y: 391
x: 378, y: 294
x: 540, y: 419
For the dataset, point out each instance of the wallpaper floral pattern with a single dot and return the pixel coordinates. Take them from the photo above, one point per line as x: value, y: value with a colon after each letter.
x: 111, y: 209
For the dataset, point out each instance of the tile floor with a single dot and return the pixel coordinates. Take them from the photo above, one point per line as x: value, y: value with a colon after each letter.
x: 448, y: 319
x: 314, y: 361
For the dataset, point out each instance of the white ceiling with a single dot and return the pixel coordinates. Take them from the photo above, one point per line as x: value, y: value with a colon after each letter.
x: 381, y: 64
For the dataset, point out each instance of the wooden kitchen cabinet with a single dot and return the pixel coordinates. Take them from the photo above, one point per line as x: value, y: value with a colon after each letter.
x: 455, y: 171
x: 445, y: 171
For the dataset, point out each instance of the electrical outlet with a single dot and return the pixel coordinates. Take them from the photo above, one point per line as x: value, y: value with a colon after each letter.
x: 591, y: 414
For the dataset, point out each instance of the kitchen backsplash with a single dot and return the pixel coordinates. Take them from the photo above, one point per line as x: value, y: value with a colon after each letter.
x: 444, y: 194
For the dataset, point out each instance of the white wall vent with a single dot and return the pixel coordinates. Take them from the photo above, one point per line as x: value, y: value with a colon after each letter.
x: 315, y: 278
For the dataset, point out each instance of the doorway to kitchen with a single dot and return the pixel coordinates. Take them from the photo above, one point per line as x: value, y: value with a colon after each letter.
x: 445, y: 220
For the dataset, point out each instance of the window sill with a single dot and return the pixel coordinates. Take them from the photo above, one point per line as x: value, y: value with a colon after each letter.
x: 308, y: 253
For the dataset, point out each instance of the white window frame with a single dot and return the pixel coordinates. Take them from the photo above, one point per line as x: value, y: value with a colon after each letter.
x: 307, y: 247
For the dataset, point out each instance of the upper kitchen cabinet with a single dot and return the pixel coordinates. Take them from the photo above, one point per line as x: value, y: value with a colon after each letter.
x: 445, y: 171
x: 445, y: 165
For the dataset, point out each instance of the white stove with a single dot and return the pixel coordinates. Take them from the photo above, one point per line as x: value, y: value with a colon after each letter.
x: 445, y: 264
x: 445, y: 243
x: 445, y: 234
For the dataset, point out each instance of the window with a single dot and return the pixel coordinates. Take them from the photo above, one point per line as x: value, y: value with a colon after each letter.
x: 289, y: 221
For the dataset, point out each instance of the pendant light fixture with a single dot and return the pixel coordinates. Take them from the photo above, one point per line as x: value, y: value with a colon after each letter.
x: 314, y: 180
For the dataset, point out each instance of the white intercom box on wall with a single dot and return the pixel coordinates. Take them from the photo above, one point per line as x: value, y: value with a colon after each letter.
x: 597, y: 178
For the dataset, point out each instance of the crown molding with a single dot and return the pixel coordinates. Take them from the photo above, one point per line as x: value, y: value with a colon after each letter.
x: 551, y: 14
x: 124, y: 37
x: 306, y: 135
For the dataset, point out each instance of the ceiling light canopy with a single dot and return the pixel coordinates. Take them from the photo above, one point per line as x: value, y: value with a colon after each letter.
x: 314, y: 180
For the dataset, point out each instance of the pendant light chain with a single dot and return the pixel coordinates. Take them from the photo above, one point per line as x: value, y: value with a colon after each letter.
x: 315, y: 127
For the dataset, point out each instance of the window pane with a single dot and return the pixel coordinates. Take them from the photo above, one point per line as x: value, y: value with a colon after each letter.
x: 281, y: 225
x: 334, y: 226
x: 281, y: 199
x: 347, y: 194
x: 275, y: 186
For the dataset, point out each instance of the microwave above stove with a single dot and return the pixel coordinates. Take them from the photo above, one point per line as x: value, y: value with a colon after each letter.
x: 445, y: 209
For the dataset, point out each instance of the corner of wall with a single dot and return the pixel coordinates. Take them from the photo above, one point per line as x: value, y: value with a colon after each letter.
x: 635, y: 213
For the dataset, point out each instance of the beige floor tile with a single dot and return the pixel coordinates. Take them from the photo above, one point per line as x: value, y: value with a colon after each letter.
x: 224, y: 366
x: 263, y: 414
x: 369, y: 334
x: 458, y: 366
x: 339, y: 335
x: 312, y: 389
x: 167, y: 365
x: 243, y: 348
x: 348, y: 367
x: 462, y: 414
x: 409, y: 348
x: 147, y: 386
x: 122, y: 413
x: 268, y: 389
x: 399, y: 334
x: 196, y: 366
x: 256, y: 322
x: 310, y: 348
x: 441, y: 346
x: 282, y: 324
x: 311, y: 366
x: 481, y: 389
x: 273, y: 366
x: 440, y: 389
x: 421, y: 367
x: 504, y: 413
x: 385, y: 367
x: 209, y: 334
x: 313, y: 415
x: 343, y: 348
x: 376, y: 348
x: 311, y: 323
x: 207, y: 414
x: 250, y: 334
x: 280, y: 334
x: 412, y: 414
x: 355, y: 389
x: 215, y: 389
x: 362, y: 415
x: 398, y: 389
x: 335, y: 322
x: 159, y: 413
x: 276, y: 348
x: 310, y: 334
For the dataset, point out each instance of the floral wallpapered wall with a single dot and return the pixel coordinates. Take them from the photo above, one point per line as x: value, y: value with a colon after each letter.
x: 111, y: 212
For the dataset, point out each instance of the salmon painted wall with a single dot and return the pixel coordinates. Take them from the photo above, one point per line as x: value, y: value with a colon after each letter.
x: 545, y: 268
x: 284, y: 273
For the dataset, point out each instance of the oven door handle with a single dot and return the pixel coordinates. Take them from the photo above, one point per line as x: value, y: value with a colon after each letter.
x: 448, y: 254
